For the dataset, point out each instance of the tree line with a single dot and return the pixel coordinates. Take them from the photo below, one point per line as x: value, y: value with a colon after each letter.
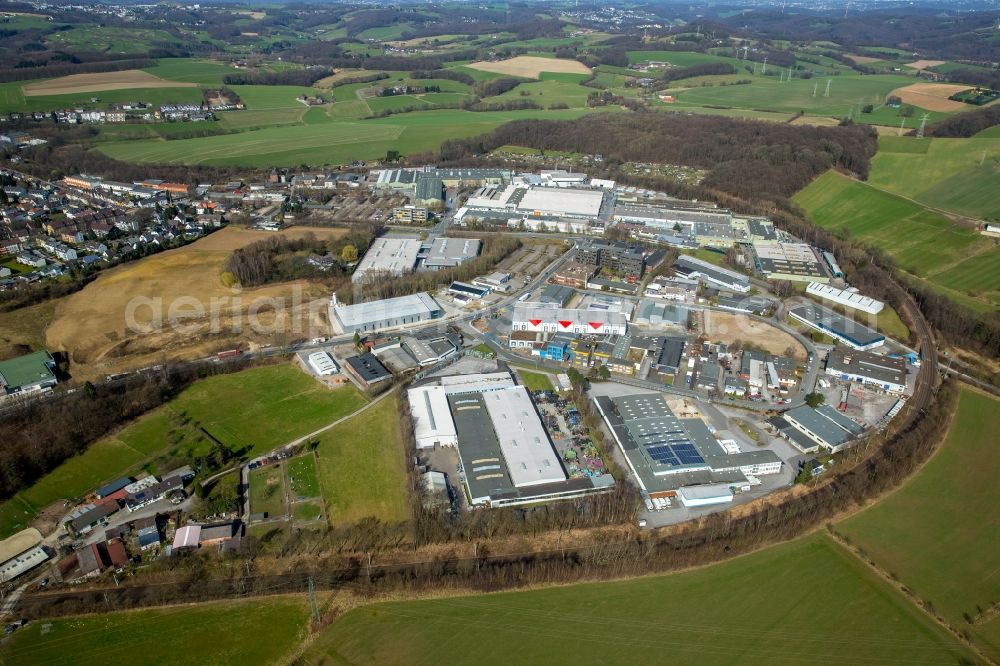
x: 751, y: 159
x: 39, y: 435
x: 280, y: 259
x: 289, y: 77
x: 970, y: 123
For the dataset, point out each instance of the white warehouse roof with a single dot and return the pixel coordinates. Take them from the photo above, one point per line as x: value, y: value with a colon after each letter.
x: 561, y: 201
x: 851, y: 299
x: 432, y: 422
x: 530, y: 458
x: 395, y: 256
x: 414, y: 305
x: 323, y: 363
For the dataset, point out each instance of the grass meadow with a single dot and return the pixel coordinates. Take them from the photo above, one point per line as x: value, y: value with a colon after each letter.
x: 267, y: 491
x: 938, y: 533
x: 303, y: 476
x: 268, y: 630
x: 361, y: 467
x: 260, y: 408
x: 535, y: 381
x: 960, y: 175
x: 805, y: 601
x: 923, y: 242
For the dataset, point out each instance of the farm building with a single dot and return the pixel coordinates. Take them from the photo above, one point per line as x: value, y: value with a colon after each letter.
x: 847, y: 297
x: 845, y: 330
x: 187, y: 538
x: 693, y: 267
x: 24, y: 374
x: 386, y: 313
x: 86, y: 518
x: 666, y: 453
x: 888, y: 374
x: 21, y: 553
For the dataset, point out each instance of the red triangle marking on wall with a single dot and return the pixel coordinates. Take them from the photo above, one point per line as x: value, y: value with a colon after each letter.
x: 534, y: 322
x: 565, y: 324
x: 595, y: 325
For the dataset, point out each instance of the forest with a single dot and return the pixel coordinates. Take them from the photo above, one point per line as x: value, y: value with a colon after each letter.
x: 753, y: 160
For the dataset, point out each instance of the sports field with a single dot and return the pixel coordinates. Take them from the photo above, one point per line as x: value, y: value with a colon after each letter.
x: 303, y: 476
x: 922, y: 242
x: 260, y: 408
x: 804, y: 602
x: 268, y: 629
x: 338, y: 141
x: 960, y: 175
x: 362, y: 469
x: 939, y: 532
x: 267, y: 492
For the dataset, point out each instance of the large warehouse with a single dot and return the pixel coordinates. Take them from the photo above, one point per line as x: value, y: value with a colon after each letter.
x: 538, y: 201
x: 395, y: 257
x: 824, y: 426
x: 845, y: 330
x: 847, y: 297
x: 387, y: 256
x: 888, y: 374
x: 539, y: 317
x: 387, y: 313
x: 666, y: 453
x: 777, y: 260
x: 507, y: 456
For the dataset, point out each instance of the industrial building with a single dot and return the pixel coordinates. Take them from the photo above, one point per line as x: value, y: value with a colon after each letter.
x: 847, y: 297
x: 406, y: 181
x: 668, y: 218
x: 824, y: 426
x: 506, y: 454
x: 447, y: 253
x: 658, y: 313
x: 598, y: 318
x: 888, y: 374
x: 711, y: 274
x: 537, y: 201
x: 778, y: 260
x: 619, y: 257
x: 845, y: 330
x: 386, y: 313
x: 27, y: 373
x: 387, y: 257
x: 323, y: 364
x: 394, y: 257
x: 667, y: 454
x: 367, y: 369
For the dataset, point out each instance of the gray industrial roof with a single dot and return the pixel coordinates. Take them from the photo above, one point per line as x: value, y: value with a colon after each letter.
x: 359, y: 314
x: 828, y: 320
x: 866, y: 364
x: 368, y: 367
x: 486, y: 471
x: 819, y: 424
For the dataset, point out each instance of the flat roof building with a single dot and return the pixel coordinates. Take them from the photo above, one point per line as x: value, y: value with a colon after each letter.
x: 848, y: 297
x: 448, y: 253
x: 386, y: 313
x: 716, y: 275
x: 30, y: 372
x: 368, y: 369
x: 666, y: 453
x: 539, y: 317
x: 888, y: 374
x: 387, y: 257
x: 845, y: 330
x: 777, y: 260
x: 824, y: 426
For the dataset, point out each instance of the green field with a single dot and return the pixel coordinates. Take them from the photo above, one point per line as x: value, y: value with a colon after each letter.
x: 361, y: 467
x: 939, y: 532
x: 303, y: 476
x: 960, y: 175
x: 193, y: 70
x: 923, y: 242
x: 808, y: 601
x: 260, y: 408
x: 678, y: 58
x: 267, y: 491
x: 259, y: 631
x: 535, y: 381
x: 14, y: 100
x: 336, y: 142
